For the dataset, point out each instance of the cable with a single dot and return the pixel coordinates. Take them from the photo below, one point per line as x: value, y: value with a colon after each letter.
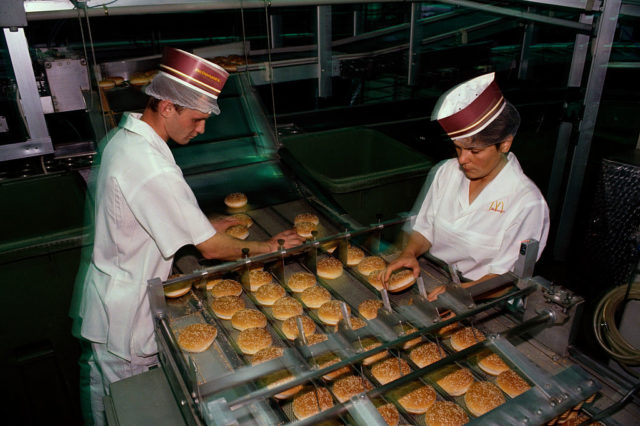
x: 267, y: 4
x: 605, y: 328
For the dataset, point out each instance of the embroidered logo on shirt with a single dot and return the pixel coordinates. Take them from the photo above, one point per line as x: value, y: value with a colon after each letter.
x: 497, y: 206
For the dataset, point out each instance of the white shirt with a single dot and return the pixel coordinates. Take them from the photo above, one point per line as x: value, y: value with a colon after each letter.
x: 482, y: 237
x: 144, y: 213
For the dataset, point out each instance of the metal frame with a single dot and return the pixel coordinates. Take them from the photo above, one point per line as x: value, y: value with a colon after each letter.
x: 324, y: 51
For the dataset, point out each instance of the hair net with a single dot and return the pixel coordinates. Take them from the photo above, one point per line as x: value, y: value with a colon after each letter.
x: 165, y: 87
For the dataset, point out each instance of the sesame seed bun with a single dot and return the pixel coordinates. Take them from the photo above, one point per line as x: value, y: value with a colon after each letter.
x: 252, y: 340
x: 267, y: 294
x: 106, y: 84
x: 354, y: 256
x: 258, y: 278
x: 389, y: 414
x: 290, y: 327
x: 445, y: 413
x: 369, y: 343
x: 226, y: 288
x: 371, y: 264
x: 401, y: 280
x: 414, y: 397
x: 314, y: 339
x: 327, y: 360
x: 369, y: 308
x: 329, y: 268
x: 315, y: 296
x: 465, y: 338
x: 331, y: 313
x: 492, y: 363
x: 310, y: 402
x: 139, y: 80
x: 244, y: 219
x: 177, y: 289
x: 278, y: 378
x: 286, y: 307
x: 457, y: 382
x: 390, y: 369
x: 409, y: 329
x: 346, y: 387
x: 511, y: 383
x: 240, y: 232
x: 224, y: 307
x: 235, y: 200
x: 426, y: 354
x: 300, y: 281
x: 266, y: 354
x: 357, y: 323
x: 305, y: 229
x: 116, y: 79
x: 248, y: 318
x: 197, y: 337
x: 483, y: 397
x: 306, y: 217
x: 213, y: 282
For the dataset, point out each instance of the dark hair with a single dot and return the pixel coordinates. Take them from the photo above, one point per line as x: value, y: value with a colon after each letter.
x: 505, y: 125
x: 153, y: 103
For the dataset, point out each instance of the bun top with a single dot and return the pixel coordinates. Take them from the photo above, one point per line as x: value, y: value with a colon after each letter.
x: 456, y: 382
x: 309, y: 403
x: 267, y: 354
x: 369, y: 308
x: 306, y: 217
x: 512, y: 383
x: 315, y: 296
x: 389, y: 414
x: 483, y: 397
x: 235, y: 199
x: 286, y: 307
x: 248, y: 318
x: 300, y: 281
x: 466, y: 337
x: 426, y: 354
x: 290, y: 327
x: 226, y: 288
x: 196, y: 337
x: 443, y: 413
x: 331, y: 309
x: 370, y: 264
x: 390, y: 369
x: 492, y: 364
x: 238, y: 231
x: 329, y: 265
x: 354, y: 256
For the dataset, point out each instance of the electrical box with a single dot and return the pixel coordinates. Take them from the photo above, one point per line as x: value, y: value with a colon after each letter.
x: 67, y: 79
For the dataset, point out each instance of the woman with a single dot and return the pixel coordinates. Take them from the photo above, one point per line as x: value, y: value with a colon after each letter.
x: 480, y: 206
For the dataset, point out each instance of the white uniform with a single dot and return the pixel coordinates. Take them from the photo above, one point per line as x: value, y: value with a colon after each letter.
x: 144, y: 213
x: 482, y: 237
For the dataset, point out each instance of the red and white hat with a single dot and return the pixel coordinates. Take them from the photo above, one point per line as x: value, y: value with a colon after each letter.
x: 469, y: 107
x: 182, y: 70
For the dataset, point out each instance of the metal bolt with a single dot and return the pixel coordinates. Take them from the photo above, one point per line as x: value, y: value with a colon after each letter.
x: 579, y: 388
x: 539, y: 412
x: 183, y: 402
x: 525, y: 420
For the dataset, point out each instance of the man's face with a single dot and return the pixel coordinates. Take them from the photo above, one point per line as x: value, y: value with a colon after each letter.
x: 184, y: 125
x: 478, y: 162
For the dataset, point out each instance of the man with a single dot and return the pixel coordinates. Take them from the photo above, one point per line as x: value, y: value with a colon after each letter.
x: 145, y: 212
x: 480, y: 206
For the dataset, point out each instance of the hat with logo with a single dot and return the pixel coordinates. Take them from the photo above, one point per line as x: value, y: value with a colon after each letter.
x: 469, y: 107
x: 189, y: 81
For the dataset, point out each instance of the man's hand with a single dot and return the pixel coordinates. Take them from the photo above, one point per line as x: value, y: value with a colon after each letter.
x: 290, y: 237
x: 401, y: 262
x: 222, y: 223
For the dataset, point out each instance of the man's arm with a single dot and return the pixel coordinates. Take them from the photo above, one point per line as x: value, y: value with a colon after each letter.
x: 417, y: 245
x: 224, y: 247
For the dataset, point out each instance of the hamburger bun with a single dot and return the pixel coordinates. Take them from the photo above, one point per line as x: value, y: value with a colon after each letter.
x: 315, y: 296
x: 329, y: 268
x: 426, y: 354
x: 329, y: 247
x: 414, y: 397
x: 258, y: 278
x: 197, y: 337
x: 248, y: 318
x: 306, y: 217
x: 357, y: 323
x: 305, y: 229
x: 290, y: 327
x: 389, y: 414
x: 492, y: 364
x: 401, y: 280
x: 483, y: 397
x: 331, y: 313
x: 266, y: 354
x: 310, y: 402
x: 407, y: 329
x: 369, y: 343
x: 235, y: 200
x: 316, y: 338
x: 177, y: 289
x: 468, y: 336
x: 390, y: 369
x: 371, y: 264
x: 457, y: 382
x: 445, y: 413
x: 374, y: 279
x: 267, y: 294
x: 348, y: 386
x: 139, y: 80
x: 354, y: 256
x: 369, y: 308
x: 226, y: 288
x: 285, y: 308
x: 106, y: 84
x: 511, y: 383
x: 327, y: 360
x: 224, y: 307
x: 244, y: 219
x: 116, y: 79
x: 240, y: 232
x: 279, y: 378
x: 300, y: 281
x: 252, y: 340
x: 212, y: 282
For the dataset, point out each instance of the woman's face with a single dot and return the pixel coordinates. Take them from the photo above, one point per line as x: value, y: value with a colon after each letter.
x: 481, y: 162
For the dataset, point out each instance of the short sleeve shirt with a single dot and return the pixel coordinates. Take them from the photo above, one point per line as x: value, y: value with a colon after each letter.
x: 144, y: 212
x: 482, y: 237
